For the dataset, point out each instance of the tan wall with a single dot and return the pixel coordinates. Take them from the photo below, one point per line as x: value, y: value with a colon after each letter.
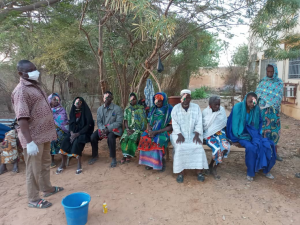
x: 291, y: 110
x: 213, y: 78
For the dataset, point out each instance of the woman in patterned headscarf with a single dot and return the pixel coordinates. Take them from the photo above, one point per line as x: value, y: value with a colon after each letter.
x: 155, y: 139
x: 61, y: 124
x: 270, y: 94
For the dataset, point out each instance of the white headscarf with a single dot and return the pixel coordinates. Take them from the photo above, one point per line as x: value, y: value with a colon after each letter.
x: 185, y: 91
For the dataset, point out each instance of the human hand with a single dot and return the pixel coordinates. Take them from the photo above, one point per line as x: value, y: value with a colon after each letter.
x: 152, y: 133
x: 32, y: 148
x: 130, y: 132
x: 73, y: 136
x: 180, y: 139
x: 196, y: 139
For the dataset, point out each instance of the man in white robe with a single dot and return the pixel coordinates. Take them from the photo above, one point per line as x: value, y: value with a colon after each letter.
x: 187, y: 137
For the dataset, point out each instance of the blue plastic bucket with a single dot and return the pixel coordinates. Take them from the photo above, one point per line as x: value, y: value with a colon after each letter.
x: 75, y: 213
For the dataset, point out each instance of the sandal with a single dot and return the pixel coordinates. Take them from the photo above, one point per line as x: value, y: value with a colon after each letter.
x: 57, y: 189
x: 123, y: 161
x: 297, y: 175
x: 92, y: 160
x: 128, y: 160
x: 148, y: 168
x: 79, y: 171
x: 42, y: 204
x: 200, y: 177
x: 59, y: 170
x: 278, y: 158
x: 179, y: 178
x: 249, y: 178
x: 270, y: 176
x: 113, y: 163
x: 53, y: 165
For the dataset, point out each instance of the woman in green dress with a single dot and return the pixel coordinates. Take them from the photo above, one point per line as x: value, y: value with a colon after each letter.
x: 135, y: 121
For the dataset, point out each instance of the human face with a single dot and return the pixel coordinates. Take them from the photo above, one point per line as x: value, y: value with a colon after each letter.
x: 159, y: 103
x: 249, y: 101
x: 186, y: 103
x: 133, y: 100
x: 270, y: 71
x: 78, y: 103
x: 108, y: 100
x: 215, y: 106
x: 29, y: 67
x: 54, y: 101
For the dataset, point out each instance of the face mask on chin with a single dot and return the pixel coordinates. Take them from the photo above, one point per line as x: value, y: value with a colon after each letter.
x: 34, y: 75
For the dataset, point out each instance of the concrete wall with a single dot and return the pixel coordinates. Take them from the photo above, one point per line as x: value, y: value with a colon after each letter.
x: 209, y: 77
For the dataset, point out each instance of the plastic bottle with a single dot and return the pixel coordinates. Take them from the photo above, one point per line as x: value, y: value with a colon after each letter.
x: 104, y: 207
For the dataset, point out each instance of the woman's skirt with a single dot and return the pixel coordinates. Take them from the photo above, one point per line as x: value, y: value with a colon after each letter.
x: 56, y: 145
x: 151, y: 154
x: 271, y: 124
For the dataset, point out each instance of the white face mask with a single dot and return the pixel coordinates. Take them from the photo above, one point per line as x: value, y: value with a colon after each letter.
x: 34, y: 75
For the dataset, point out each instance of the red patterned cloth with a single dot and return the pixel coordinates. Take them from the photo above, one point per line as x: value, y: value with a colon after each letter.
x: 31, y: 102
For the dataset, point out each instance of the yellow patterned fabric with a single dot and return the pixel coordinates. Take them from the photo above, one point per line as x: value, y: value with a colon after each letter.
x: 11, y: 149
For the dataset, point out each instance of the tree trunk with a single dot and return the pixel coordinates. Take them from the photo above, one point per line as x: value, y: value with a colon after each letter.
x: 66, y: 90
x: 53, y: 83
x: 101, y: 63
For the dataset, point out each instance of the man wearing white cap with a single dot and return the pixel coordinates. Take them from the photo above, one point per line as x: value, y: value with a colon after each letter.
x: 186, y: 138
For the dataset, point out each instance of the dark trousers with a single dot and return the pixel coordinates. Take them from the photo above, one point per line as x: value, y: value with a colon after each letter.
x: 111, y: 141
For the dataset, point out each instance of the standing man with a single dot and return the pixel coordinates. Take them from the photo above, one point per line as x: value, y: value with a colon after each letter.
x: 36, y: 131
x: 186, y: 138
x: 109, y: 121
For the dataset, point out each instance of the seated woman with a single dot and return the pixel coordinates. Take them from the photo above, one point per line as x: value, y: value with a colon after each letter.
x: 214, y: 123
x: 155, y: 139
x: 81, y: 128
x: 61, y: 124
x: 135, y: 121
x: 11, y: 151
x: 244, y: 125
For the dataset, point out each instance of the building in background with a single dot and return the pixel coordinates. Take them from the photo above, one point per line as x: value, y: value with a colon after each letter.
x: 288, y: 71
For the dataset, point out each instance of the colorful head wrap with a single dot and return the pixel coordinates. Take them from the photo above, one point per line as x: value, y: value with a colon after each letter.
x: 158, y: 97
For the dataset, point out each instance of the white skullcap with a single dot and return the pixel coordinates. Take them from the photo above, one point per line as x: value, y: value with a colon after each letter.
x: 185, y: 91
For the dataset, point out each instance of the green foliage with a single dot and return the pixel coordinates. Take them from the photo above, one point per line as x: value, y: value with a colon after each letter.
x: 200, y: 93
x: 273, y: 25
x: 241, y: 56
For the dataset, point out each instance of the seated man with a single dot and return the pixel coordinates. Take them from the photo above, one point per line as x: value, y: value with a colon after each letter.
x: 109, y: 121
x: 214, y: 123
x: 244, y: 125
x: 186, y: 138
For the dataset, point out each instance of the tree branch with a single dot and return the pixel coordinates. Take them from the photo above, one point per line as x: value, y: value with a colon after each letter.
x: 5, y: 12
x: 167, y: 10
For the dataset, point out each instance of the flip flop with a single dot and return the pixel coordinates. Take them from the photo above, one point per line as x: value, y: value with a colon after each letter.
x: 148, y: 168
x: 42, y: 204
x: 297, y: 175
x: 53, y: 165
x: 59, y: 170
x: 56, y: 190
x: 128, y: 160
x: 79, y: 171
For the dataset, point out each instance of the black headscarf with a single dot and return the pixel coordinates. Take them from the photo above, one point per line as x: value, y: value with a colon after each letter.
x: 85, y: 124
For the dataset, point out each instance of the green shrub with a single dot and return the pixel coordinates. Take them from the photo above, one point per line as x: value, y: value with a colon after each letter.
x: 200, y: 93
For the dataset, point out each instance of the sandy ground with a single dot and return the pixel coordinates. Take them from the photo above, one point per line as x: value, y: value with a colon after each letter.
x: 137, y: 196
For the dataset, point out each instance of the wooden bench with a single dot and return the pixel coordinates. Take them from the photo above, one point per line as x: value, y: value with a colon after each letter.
x: 234, y: 147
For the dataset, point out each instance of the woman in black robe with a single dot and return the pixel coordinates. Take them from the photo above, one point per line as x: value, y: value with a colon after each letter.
x: 81, y: 127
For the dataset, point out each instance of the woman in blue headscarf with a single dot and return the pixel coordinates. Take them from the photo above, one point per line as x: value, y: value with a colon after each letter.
x: 270, y: 94
x: 155, y: 139
x: 244, y: 126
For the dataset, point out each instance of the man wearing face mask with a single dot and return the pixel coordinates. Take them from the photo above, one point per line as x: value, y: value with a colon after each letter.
x: 36, y: 132
x: 109, y: 121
